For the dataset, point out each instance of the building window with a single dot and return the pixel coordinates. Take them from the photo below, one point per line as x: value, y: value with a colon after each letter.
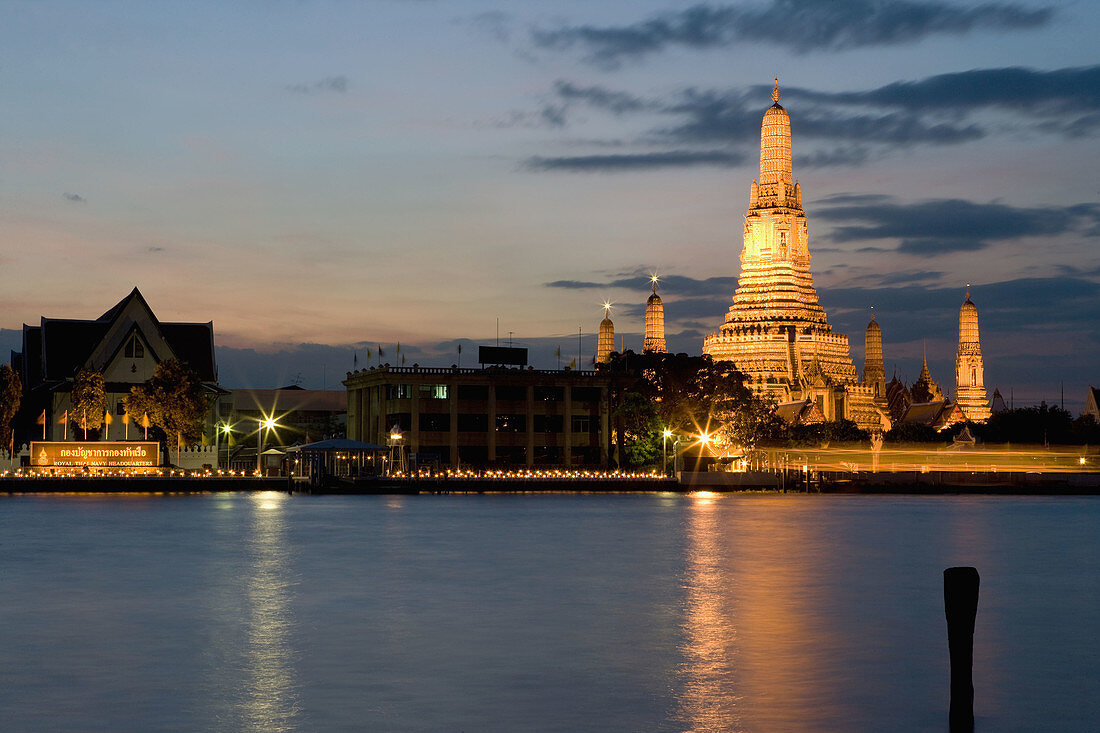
x: 399, y: 391
x: 473, y: 423
x: 402, y: 420
x: 473, y: 392
x: 134, y: 348
x: 585, y: 424
x: 549, y: 394
x: 511, y: 423
x: 548, y: 423
x: 586, y: 394
x: 433, y: 391
x: 511, y: 393
x: 436, y: 422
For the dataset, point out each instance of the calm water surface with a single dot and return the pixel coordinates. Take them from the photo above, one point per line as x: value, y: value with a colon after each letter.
x: 268, y: 612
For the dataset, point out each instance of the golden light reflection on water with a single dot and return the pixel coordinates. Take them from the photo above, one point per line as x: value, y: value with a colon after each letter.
x: 755, y: 655
x: 270, y: 701
x: 709, y: 633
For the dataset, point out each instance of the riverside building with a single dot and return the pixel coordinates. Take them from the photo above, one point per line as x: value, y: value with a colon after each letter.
x: 493, y: 416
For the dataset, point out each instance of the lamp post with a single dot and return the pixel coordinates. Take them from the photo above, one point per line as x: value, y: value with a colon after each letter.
x: 395, y: 442
x: 223, y: 429
x: 664, y: 450
x: 266, y: 423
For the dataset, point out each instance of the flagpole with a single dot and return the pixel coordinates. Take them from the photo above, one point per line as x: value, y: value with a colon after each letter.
x: 43, y: 423
x: 84, y: 423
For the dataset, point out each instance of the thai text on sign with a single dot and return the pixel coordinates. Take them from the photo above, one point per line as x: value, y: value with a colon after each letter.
x: 100, y: 453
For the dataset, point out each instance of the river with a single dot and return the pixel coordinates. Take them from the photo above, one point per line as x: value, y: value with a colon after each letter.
x: 594, y: 612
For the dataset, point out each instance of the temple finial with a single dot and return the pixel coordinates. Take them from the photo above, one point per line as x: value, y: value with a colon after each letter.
x: 968, y: 291
x: 654, y: 279
x: 872, y: 313
x: 775, y: 92
x: 607, y: 309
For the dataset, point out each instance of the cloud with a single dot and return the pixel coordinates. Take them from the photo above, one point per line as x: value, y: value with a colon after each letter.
x: 337, y: 84
x: 847, y: 128
x: 636, y: 161
x: 75, y: 198
x: 940, y: 226
x: 801, y: 26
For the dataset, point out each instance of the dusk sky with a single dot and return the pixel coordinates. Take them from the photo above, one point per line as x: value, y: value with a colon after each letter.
x: 318, y: 178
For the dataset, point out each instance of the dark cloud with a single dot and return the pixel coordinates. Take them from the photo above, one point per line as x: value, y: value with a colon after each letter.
x: 842, y: 156
x: 950, y: 225
x: 636, y: 161
x: 156, y: 250
x: 613, y: 101
x: 75, y: 198
x: 908, y: 277
x: 848, y: 128
x: 337, y: 84
x: 799, y: 25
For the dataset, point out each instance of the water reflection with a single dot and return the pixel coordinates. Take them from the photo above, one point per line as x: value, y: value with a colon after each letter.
x: 756, y: 653
x: 270, y: 701
x: 707, y: 703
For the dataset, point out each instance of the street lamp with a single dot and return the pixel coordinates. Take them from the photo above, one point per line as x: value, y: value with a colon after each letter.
x: 664, y: 450
x: 266, y: 423
x: 222, y: 429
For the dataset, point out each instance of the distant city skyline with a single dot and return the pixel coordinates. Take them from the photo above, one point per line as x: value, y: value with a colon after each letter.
x: 318, y: 178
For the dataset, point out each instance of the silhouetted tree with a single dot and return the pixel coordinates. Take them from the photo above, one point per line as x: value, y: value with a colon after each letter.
x: 174, y: 400
x: 1036, y: 424
x: 11, y: 393
x: 911, y: 432
x: 89, y: 399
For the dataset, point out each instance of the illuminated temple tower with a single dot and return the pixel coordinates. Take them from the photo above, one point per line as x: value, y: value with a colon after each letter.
x: 654, y: 323
x: 776, y: 332
x: 606, y: 343
x: 874, y: 369
x: 969, y: 372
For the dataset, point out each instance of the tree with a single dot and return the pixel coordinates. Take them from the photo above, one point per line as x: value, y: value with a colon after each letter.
x: 174, y: 400
x: 911, y: 432
x: 688, y: 394
x: 1037, y: 424
x: 640, y: 425
x: 89, y: 399
x: 11, y: 393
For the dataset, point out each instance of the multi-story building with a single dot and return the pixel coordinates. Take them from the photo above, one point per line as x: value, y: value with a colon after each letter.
x: 496, y: 416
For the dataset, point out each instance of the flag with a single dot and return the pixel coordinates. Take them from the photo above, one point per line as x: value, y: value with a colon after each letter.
x: 107, y: 419
x: 355, y: 360
x: 558, y: 352
x: 398, y: 347
x: 402, y: 360
x: 370, y: 354
x: 41, y: 419
x: 381, y: 353
x: 125, y: 418
x: 84, y: 420
x: 573, y: 364
x: 145, y: 420
x: 64, y: 418
x: 460, y: 349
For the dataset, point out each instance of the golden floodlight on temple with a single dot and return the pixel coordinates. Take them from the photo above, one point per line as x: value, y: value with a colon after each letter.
x: 776, y: 332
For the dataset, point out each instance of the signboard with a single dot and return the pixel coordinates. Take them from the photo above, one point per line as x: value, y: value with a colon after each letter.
x: 502, y: 355
x: 101, y: 454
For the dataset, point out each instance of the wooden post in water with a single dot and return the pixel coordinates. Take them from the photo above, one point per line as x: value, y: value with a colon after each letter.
x: 960, y: 602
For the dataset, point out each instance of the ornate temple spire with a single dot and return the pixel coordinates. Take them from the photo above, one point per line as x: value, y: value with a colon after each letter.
x: 654, y: 322
x: 606, y: 342
x: 969, y: 369
x: 775, y: 144
x: 874, y: 369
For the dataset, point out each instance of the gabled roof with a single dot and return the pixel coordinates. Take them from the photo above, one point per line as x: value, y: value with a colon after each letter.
x: 800, y: 413
x: 59, y: 347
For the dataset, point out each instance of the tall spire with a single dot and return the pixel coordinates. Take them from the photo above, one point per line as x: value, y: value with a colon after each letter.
x: 874, y: 369
x: 969, y: 369
x: 775, y: 145
x: 606, y: 341
x: 654, y: 321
